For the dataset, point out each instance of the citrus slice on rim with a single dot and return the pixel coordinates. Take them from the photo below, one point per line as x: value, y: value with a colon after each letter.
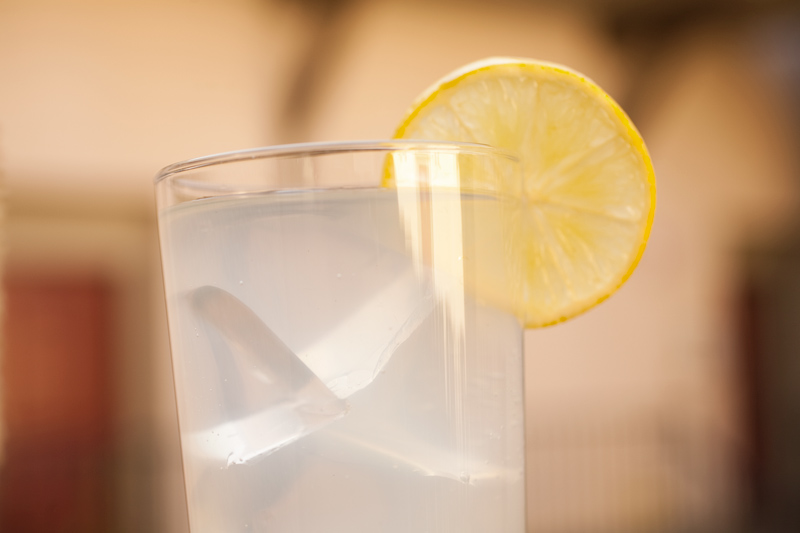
x: 588, y: 192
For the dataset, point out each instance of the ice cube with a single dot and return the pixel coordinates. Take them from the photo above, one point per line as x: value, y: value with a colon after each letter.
x: 271, y: 399
x: 425, y: 416
x: 352, y: 353
x: 339, y: 288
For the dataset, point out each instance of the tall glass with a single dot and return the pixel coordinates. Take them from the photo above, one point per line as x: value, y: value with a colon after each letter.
x: 344, y: 344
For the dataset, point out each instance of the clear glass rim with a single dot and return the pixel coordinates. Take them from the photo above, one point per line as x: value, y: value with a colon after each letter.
x: 325, y: 148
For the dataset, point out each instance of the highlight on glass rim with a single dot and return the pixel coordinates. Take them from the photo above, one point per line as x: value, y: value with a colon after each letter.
x: 346, y: 319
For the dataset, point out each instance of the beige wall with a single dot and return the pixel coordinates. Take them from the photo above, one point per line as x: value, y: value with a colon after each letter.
x: 96, y: 96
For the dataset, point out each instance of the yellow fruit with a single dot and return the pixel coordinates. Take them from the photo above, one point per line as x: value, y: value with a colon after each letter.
x: 588, y: 196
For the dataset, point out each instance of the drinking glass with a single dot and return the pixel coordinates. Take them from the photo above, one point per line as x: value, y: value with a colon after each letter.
x: 345, y: 349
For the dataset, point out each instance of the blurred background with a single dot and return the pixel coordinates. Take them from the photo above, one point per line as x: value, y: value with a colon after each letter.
x: 674, y: 407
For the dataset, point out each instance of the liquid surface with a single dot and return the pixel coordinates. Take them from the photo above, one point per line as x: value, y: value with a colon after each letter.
x: 333, y: 370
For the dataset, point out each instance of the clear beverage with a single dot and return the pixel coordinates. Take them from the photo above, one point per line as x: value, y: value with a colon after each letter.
x: 334, y: 369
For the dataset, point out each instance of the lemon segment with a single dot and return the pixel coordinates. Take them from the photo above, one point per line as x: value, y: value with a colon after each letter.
x: 587, y: 200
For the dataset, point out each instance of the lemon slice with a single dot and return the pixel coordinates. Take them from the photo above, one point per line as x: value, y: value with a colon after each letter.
x: 588, y: 196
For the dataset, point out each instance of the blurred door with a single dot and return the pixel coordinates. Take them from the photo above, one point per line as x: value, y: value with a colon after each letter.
x: 57, y: 390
